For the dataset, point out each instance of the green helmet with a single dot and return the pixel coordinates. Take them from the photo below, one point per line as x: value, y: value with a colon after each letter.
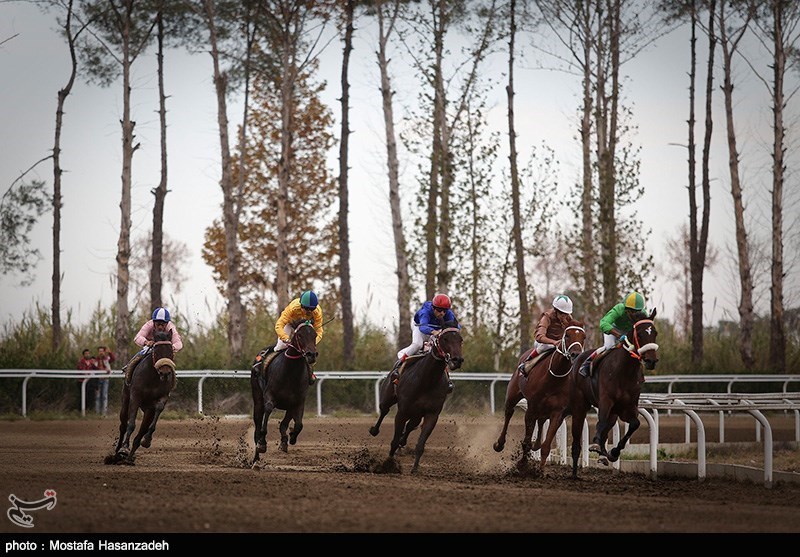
x: 634, y: 300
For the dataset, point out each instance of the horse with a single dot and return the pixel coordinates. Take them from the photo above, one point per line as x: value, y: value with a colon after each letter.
x: 152, y: 381
x: 613, y: 388
x: 420, y: 392
x: 283, y: 384
x: 546, y: 390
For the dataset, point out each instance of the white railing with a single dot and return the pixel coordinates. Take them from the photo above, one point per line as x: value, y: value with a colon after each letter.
x: 376, y: 376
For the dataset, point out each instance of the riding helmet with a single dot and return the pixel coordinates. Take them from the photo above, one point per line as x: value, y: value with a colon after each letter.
x: 634, y: 300
x: 441, y: 301
x: 563, y: 303
x: 308, y: 300
x: 161, y: 314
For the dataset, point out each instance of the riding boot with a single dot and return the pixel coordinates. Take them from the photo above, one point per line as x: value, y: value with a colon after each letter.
x: 522, y: 371
x: 130, y: 366
x: 260, y: 357
x: 586, y: 367
x: 395, y: 373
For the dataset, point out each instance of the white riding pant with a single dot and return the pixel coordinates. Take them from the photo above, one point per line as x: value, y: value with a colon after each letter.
x: 609, y: 341
x: 418, y: 339
x: 280, y: 345
x: 541, y: 346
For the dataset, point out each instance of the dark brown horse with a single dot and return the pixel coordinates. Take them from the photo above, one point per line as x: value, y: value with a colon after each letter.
x: 152, y: 381
x: 614, y: 389
x: 420, y: 392
x: 547, y: 392
x: 283, y: 385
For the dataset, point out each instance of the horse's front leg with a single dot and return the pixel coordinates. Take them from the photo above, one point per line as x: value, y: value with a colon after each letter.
x: 284, y: 446
x: 539, y: 430
x: 527, y: 437
x: 605, y: 421
x: 133, y: 409
x: 123, y: 418
x: 513, y: 396
x: 424, y: 433
x: 411, y: 425
x: 633, y: 425
x: 148, y: 436
x: 260, y: 432
x: 147, y: 419
x: 578, y: 418
x: 297, y: 427
x: 400, y: 420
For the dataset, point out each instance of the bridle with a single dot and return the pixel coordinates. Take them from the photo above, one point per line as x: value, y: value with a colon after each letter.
x: 637, y: 349
x: 164, y: 360
x: 436, y: 349
x: 564, y: 350
x: 295, y: 345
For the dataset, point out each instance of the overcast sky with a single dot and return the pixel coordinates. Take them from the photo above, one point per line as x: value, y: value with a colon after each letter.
x: 34, y: 65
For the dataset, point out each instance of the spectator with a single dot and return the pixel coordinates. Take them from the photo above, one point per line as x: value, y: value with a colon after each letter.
x: 105, y: 358
x: 88, y: 363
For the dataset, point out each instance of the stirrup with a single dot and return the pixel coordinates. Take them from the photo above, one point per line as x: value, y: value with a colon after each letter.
x: 450, y: 386
x: 585, y: 367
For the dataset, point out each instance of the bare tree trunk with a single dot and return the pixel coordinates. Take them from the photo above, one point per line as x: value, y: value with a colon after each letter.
x: 236, y: 323
x: 400, y: 250
x: 501, y: 304
x: 62, y: 97
x: 587, y: 198
x: 284, y: 176
x: 348, y: 341
x: 746, y: 315
x: 777, y: 337
x: 160, y: 192
x: 122, y: 329
x: 519, y: 251
x: 437, y: 151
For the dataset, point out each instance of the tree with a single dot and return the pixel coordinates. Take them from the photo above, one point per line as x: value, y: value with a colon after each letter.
x: 121, y: 32
x: 730, y: 37
x: 348, y: 341
x: 387, y: 18
x: 776, y: 26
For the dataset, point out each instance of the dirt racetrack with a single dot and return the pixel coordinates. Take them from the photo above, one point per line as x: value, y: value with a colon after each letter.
x: 195, y: 478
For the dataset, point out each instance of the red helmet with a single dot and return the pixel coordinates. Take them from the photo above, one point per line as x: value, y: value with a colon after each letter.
x: 441, y: 301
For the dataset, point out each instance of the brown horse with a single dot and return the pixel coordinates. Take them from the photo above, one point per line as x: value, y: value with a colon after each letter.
x: 151, y: 383
x: 283, y: 385
x: 420, y: 392
x: 547, y: 392
x: 614, y: 389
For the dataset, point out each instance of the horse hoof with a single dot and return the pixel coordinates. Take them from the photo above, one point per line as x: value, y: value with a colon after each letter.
x: 284, y: 446
x: 146, y: 442
x: 292, y: 440
x: 498, y: 447
x: 374, y: 431
x: 594, y: 448
x: 261, y: 448
x: 603, y: 460
x: 614, y: 454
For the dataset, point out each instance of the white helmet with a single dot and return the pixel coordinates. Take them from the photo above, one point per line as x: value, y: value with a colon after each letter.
x: 563, y: 303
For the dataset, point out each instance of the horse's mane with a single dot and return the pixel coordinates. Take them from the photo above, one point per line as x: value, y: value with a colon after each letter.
x: 451, y: 324
x: 576, y: 323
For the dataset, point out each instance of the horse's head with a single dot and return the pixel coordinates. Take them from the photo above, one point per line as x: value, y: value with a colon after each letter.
x: 163, y: 354
x: 447, y: 346
x: 304, y: 341
x: 572, y: 341
x: 644, y: 340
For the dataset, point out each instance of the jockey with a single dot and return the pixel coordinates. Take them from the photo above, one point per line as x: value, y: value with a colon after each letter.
x: 144, y: 338
x: 306, y: 307
x: 550, y: 329
x: 619, y: 318
x: 428, y: 321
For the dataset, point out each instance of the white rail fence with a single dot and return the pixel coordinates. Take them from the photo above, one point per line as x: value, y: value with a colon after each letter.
x: 671, y: 381
x: 690, y: 404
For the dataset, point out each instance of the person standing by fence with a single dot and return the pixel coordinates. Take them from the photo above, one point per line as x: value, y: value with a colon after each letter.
x: 105, y: 358
x: 87, y: 363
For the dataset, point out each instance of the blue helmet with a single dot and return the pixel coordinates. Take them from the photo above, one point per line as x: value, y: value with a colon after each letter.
x: 161, y: 314
x: 308, y: 300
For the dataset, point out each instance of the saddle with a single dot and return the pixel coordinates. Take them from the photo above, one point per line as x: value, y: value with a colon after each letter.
x: 403, y: 365
x: 533, y: 361
x: 264, y: 358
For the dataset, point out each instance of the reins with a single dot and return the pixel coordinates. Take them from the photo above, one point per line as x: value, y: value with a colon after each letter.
x: 291, y: 344
x: 442, y: 354
x: 563, y: 349
x: 162, y: 361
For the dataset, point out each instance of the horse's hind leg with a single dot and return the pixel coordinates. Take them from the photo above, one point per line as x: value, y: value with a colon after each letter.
x: 123, y: 420
x: 547, y: 442
x: 604, y: 424
x: 511, y: 404
x: 387, y: 400
x: 425, y: 432
x: 133, y: 409
x: 578, y: 417
x: 260, y: 432
x: 633, y: 425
